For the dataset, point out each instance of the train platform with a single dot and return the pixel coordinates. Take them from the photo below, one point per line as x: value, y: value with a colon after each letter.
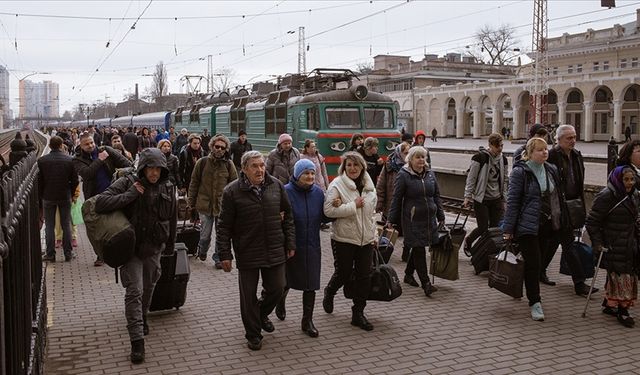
x: 466, y: 328
x: 592, y: 150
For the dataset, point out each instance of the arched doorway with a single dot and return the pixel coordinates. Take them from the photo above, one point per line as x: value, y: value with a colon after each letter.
x: 574, y: 111
x: 421, y: 116
x: 504, y: 104
x: 450, y: 122
x: 550, y: 112
x: 521, y: 116
x: 631, y: 110
x: 602, y: 113
x: 486, y: 120
x: 467, y: 119
x: 435, y: 117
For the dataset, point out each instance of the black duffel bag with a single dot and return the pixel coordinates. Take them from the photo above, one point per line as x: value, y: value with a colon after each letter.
x: 385, y: 284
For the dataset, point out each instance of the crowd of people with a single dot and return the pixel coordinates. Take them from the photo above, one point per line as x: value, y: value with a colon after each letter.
x: 267, y: 212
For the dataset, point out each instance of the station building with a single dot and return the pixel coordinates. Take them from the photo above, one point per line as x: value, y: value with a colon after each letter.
x: 593, y: 81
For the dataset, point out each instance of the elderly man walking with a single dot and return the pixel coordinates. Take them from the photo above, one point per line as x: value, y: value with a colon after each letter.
x: 256, y: 216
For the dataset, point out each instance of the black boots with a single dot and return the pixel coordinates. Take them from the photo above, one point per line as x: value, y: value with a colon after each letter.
x: 281, y: 311
x: 137, y: 351
x: 327, y: 301
x: 308, y: 300
x: 359, y: 320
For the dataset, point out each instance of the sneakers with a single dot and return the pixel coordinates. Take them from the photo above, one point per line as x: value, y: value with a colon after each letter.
x: 98, y: 263
x: 74, y: 242
x: 69, y: 257
x: 409, y: 279
x: 49, y: 258
x: 254, y: 343
x: 58, y: 244
x: 218, y: 265
x: 536, y: 312
x: 202, y: 257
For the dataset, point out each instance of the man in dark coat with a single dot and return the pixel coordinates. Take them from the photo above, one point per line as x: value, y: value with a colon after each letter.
x: 187, y: 159
x: 96, y: 167
x: 627, y: 134
x: 57, y: 183
x: 239, y: 147
x: 149, y: 202
x: 256, y: 216
x: 130, y: 142
x: 570, y: 166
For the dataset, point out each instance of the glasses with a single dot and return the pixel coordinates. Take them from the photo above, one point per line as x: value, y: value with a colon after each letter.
x: 218, y: 147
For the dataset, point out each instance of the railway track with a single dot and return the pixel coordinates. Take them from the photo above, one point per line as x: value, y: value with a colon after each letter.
x: 8, y: 136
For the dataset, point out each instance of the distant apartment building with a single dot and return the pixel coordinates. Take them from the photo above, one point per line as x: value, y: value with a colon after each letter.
x: 39, y: 99
x: 5, y: 109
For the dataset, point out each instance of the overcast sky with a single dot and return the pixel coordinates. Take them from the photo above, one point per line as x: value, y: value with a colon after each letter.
x: 257, y: 39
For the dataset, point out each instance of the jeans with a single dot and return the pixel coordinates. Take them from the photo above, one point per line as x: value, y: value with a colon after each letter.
x: 206, y: 230
x: 50, y: 208
x: 252, y: 311
x: 352, y: 259
x: 488, y: 215
x: 139, y: 277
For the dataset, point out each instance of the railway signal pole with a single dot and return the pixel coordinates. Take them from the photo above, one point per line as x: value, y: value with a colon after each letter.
x: 302, y: 52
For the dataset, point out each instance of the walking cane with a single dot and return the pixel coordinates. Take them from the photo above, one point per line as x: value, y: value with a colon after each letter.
x: 593, y: 281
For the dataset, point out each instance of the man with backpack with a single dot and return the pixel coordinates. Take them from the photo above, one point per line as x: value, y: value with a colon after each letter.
x: 210, y: 175
x: 486, y: 187
x: 96, y: 167
x: 148, y: 199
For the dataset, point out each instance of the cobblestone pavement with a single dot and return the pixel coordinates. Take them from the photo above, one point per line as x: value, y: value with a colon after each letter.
x: 466, y: 328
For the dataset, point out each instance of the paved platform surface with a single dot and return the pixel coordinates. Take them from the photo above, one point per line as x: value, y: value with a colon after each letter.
x: 466, y: 328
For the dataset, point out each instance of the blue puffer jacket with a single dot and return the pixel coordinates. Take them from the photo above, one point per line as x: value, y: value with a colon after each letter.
x: 416, y: 206
x: 523, y: 200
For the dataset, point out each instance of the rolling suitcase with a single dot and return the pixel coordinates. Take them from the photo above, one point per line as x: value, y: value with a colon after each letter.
x: 489, y: 244
x: 188, y: 233
x: 171, y: 289
x: 457, y: 232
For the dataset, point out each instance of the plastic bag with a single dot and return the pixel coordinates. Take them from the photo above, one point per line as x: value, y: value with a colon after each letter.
x: 76, y: 212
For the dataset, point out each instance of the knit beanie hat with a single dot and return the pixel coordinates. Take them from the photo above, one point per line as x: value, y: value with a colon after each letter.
x: 284, y: 137
x: 301, y: 166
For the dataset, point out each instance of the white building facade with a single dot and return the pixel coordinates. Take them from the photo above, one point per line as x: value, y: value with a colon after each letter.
x: 39, y: 99
x: 5, y: 108
x: 593, y: 81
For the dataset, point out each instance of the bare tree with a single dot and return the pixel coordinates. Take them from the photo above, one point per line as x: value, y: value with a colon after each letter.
x: 496, y: 46
x: 160, y: 84
x: 364, y: 67
x: 223, y: 79
x: 66, y: 116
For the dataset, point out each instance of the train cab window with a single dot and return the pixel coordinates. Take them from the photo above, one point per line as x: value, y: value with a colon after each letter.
x: 378, y: 118
x: 275, y: 112
x: 178, y: 115
x: 194, y: 114
x: 313, y: 119
x: 238, y: 114
x: 343, y: 118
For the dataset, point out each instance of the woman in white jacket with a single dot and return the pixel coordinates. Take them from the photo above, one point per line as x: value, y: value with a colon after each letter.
x: 351, y: 200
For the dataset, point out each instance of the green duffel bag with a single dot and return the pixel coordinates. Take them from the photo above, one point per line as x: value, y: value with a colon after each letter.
x: 111, y: 234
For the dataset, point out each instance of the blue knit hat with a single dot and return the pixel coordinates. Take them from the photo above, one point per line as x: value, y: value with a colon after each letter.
x: 301, y: 166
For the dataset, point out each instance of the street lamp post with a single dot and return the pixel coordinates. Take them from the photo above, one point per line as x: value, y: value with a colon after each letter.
x: 87, y: 110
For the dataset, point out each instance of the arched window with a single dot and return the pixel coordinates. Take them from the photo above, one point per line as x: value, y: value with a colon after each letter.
x: 574, y: 97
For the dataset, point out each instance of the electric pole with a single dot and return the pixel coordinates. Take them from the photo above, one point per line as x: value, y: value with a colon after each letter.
x: 209, y: 75
x: 302, y: 52
x: 538, y: 93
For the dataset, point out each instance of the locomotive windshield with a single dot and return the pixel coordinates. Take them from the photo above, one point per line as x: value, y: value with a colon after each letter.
x: 377, y: 118
x: 343, y: 118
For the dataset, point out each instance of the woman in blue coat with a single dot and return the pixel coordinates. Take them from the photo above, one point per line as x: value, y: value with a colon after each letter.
x: 534, y: 214
x: 303, y: 269
x: 416, y: 206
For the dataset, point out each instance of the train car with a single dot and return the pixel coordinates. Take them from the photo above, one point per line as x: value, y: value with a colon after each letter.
x: 324, y: 114
x: 156, y: 120
x: 122, y: 122
x: 102, y: 122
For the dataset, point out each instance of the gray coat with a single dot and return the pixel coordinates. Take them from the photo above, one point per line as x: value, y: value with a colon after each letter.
x: 476, y: 185
x: 280, y: 165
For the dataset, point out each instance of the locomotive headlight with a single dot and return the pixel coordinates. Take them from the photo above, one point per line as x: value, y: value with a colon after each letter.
x: 390, y: 145
x: 338, y: 146
x: 360, y: 92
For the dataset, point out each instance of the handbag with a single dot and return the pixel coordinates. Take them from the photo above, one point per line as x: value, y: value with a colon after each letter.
x: 76, y: 212
x: 580, y: 253
x: 444, y: 259
x: 505, y: 276
x: 385, y: 284
x: 577, y: 213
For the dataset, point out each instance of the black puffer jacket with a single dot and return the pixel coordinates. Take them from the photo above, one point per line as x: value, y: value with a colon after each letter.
x: 260, y: 235
x: 416, y: 205
x: 152, y: 214
x: 615, y: 230
x: 172, y: 166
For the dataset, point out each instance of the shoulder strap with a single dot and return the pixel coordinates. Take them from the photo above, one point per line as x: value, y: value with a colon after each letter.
x: 617, y: 204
